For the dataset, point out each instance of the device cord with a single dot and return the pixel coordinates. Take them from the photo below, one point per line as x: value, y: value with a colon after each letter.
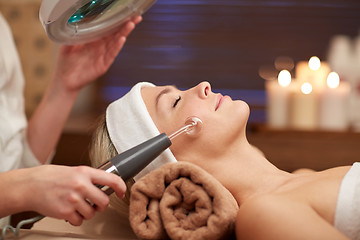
x: 16, y: 230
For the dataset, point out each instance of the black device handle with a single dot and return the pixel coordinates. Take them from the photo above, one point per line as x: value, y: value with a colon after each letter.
x: 132, y: 161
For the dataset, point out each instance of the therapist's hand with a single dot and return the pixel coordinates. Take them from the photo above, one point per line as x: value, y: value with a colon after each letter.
x: 81, y: 64
x: 77, y: 66
x: 61, y: 192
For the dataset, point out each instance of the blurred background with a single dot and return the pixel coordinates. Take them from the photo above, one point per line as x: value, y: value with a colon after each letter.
x: 239, y: 47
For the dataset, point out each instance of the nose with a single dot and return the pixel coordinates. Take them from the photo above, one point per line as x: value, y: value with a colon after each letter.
x: 203, y: 89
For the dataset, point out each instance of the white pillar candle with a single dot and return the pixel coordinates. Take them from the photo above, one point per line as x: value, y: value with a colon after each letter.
x: 355, y: 88
x: 303, y: 111
x: 333, y: 113
x: 278, y: 93
x: 315, y: 72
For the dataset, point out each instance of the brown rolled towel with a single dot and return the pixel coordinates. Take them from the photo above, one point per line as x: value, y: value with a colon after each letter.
x: 181, y: 201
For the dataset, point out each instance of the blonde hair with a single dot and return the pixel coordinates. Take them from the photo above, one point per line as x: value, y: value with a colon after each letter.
x: 101, y: 150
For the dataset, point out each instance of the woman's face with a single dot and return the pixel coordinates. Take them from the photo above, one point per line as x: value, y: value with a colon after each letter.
x: 224, y: 120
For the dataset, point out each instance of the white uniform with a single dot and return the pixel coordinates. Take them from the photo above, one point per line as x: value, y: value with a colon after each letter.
x: 347, y: 215
x: 14, y: 150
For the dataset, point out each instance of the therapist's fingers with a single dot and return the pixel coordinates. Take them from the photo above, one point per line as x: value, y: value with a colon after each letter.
x: 108, y: 179
x: 116, y: 41
x: 113, y: 48
x: 126, y: 29
x: 86, y: 210
x: 130, y: 25
x: 75, y: 219
x: 137, y: 19
x: 97, y: 198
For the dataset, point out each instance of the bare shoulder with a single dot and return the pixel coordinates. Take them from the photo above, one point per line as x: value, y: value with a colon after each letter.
x: 277, y: 217
x: 303, y: 170
x: 257, y: 216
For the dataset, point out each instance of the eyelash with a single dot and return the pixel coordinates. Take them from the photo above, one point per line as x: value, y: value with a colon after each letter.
x: 177, y: 100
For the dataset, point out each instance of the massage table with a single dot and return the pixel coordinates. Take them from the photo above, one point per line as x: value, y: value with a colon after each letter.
x: 107, y: 225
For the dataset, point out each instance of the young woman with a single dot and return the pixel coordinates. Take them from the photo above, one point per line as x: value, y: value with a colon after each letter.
x: 274, y: 204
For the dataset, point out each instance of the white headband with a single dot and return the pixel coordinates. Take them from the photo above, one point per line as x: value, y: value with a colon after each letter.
x: 129, y: 124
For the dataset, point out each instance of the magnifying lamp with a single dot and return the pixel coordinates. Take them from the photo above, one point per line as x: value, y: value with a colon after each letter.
x: 79, y: 21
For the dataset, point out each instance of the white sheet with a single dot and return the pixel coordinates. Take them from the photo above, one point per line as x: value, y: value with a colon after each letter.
x: 347, y: 215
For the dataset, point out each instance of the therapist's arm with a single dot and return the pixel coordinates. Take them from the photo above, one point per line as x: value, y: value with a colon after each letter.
x: 77, y: 66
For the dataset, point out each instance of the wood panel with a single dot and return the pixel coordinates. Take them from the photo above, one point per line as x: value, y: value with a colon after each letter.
x: 73, y: 149
x: 291, y: 150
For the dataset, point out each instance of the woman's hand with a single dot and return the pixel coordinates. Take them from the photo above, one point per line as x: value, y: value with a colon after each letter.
x: 63, y: 192
x: 81, y: 64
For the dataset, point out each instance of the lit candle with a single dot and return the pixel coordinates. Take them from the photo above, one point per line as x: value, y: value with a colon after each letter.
x: 334, y: 113
x: 354, y: 82
x: 303, y: 113
x: 278, y: 100
x: 314, y: 72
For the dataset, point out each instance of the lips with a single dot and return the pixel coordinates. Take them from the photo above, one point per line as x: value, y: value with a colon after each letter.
x: 218, y: 101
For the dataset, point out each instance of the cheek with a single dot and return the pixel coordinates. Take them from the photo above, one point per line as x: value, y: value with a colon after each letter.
x: 178, y: 119
x: 192, y: 110
x: 234, y: 116
x: 168, y: 127
x: 183, y: 115
x: 228, y: 125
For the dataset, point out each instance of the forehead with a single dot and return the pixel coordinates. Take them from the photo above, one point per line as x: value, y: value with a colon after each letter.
x: 151, y: 95
x: 151, y: 91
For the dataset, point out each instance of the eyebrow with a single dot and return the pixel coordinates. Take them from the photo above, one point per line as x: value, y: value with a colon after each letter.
x: 163, y: 92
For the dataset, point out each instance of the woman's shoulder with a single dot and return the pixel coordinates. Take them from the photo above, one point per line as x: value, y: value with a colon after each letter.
x: 264, y: 206
x: 276, y: 216
x: 262, y: 214
x: 306, y: 202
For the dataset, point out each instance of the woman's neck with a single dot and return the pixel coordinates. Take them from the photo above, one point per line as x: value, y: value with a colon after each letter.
x: 241, y: 168
x: 245, y: 172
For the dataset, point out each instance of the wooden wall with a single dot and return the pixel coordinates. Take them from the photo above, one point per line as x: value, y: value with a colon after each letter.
x: 36, y: 51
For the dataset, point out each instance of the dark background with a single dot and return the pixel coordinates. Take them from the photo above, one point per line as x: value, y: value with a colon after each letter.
x: 225, y: 42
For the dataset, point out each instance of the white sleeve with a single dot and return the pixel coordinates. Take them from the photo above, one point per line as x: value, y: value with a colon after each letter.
x: 15, y: 153
x: 14, y: 150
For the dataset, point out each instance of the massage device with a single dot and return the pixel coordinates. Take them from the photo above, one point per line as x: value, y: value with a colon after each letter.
x: 132, y: 161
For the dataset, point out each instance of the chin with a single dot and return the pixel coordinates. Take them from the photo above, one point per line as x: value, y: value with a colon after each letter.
x: 242, y: 110
x: 238, y: 116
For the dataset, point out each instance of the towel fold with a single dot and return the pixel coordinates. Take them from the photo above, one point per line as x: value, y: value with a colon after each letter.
x: 181, y: 201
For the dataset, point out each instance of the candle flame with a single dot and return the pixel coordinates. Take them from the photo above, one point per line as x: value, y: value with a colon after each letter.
x: 333, y: 80
x: 314, y: 63
x: 306, y: 88
x: 284, y: 78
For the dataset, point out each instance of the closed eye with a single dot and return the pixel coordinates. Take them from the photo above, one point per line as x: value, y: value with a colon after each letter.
x: 177, y: 100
